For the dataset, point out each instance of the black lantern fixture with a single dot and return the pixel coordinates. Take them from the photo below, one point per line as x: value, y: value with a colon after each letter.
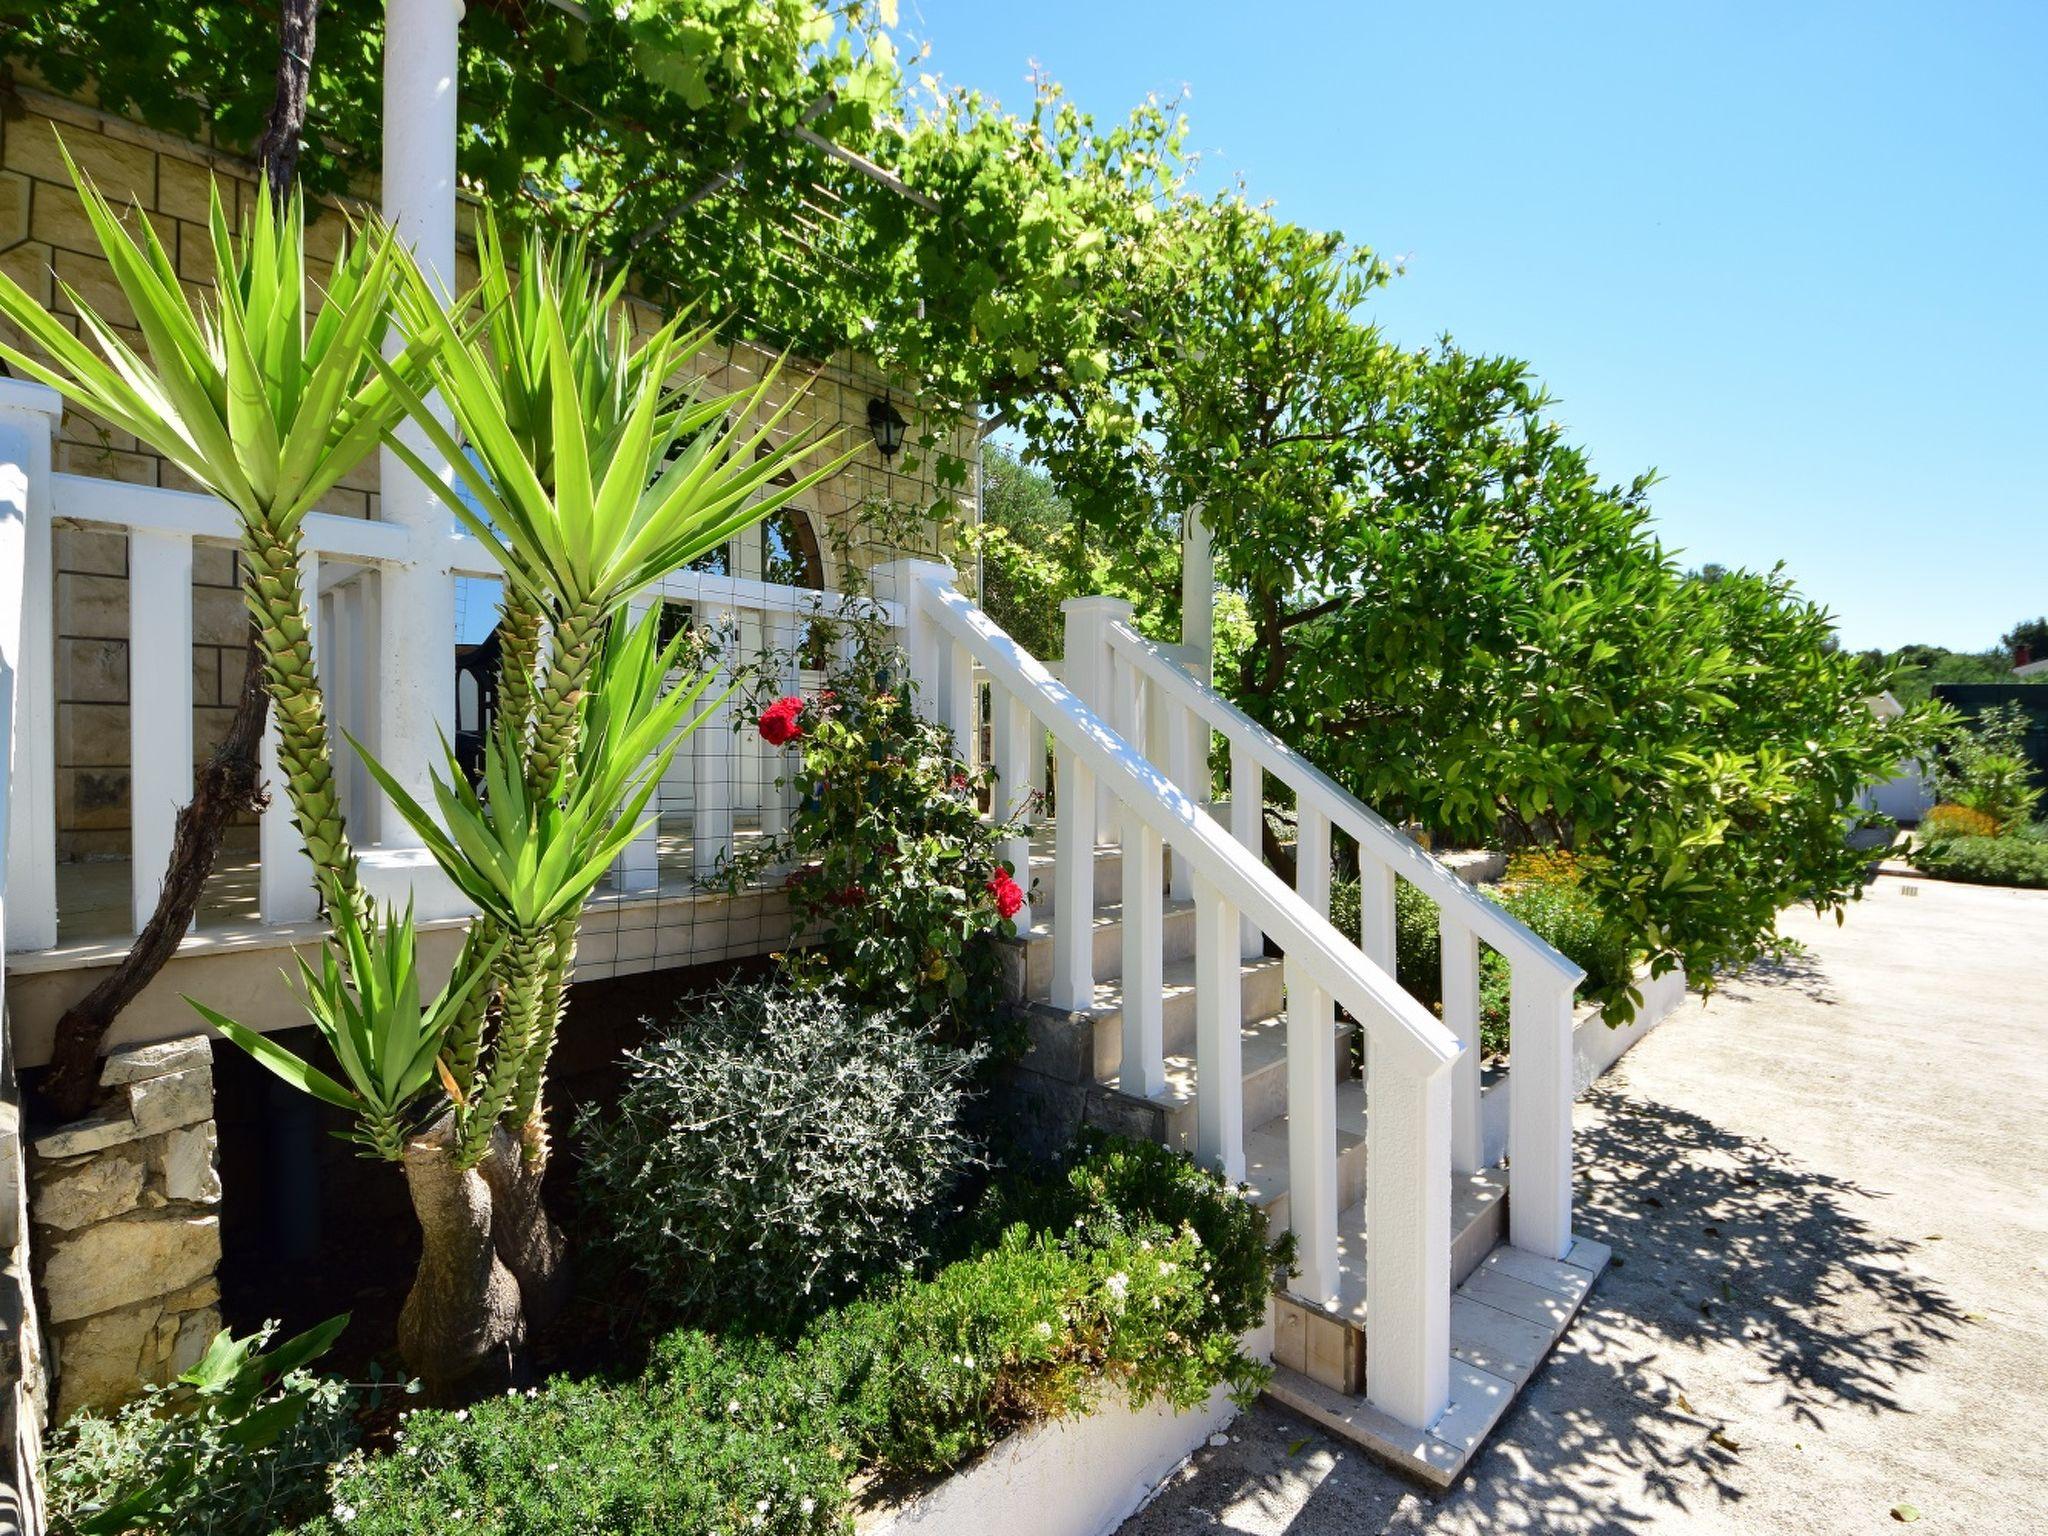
x: 887, y: 423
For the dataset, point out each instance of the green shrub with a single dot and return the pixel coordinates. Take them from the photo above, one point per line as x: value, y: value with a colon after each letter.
x: 236, y: 1446
x: 1549, y: 900
x: 1132, y: 1280
x: 2019, y: 860
x: 774, y: 1148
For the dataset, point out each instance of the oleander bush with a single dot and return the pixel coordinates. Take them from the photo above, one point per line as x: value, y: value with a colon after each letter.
x: 239, y: 1445
x: 1129, y: 1278
x: 2015, y: 860
x: 775, y: 1147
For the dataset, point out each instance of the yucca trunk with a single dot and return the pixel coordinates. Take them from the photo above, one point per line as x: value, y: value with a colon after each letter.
x: 462, y: 1324
x: 528, y: 1242
x: 519, y: 625
x: 557, y: 715
x: 520, y: 982
x: 305, y: 754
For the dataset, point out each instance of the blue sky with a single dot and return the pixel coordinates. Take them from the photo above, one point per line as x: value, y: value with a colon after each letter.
x: 1791, y: 255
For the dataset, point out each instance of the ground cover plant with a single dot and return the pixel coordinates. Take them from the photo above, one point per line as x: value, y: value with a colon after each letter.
x: 1128, y: 1277
x: 1983, y: 832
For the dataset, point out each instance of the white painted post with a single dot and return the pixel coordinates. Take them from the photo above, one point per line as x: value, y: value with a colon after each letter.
x: 925, y: 646
x: 1219, y: 1038
x: 159, y: 707
x: 1540, y: 1113
x: 358, y: 656
x: 1311, y: 1134
x: 416, y: 628
x: 958, y: 698
x: 1143, y: 1071
x: 1408, y: 1257
x: 1016, y: 738
x: 1073, y: 874
x: 1461, y: 1017
x: 1312, y: 857
x: 29, y: 414
x: 1247, y: 818
x: 1376, y: 910
x: 286, y: 891
x: 711, y: 754
x: 1168, y: 744
x: 1088, y: 671
x: 1198, y: 591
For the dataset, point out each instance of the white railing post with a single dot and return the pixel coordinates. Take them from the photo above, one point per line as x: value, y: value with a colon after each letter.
x: 1073, y: 874
x: 159, y: 707
x: 29, y: 414
x: 1376, y: 910
x: 1247, y: 825
x: 1460, y: 970
x: 1540, y: 1112
x: 286, y: 891
x: 711, y: 758
x: 1219, y: 1039
x: 1176, y: 728
x: 1311, y: 1134
x: 1312, y: 858
x: 925, y: 650
x: 1015, y: 741
x: 1143, y: 1071
x: 1089, y: 672
x: 958, y: 698
x: 1408, y: 1254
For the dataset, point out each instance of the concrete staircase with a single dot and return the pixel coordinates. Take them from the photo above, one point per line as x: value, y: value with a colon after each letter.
x: 1080, y: 1051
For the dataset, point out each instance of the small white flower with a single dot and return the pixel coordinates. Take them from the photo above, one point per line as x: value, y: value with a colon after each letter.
x: 732, y: 1405
x: 968, y: 1362
x: 808, y: 1505
x: 762, y: 1506
x: 1044, y: 1330
x: 461, y: 1415
x: 1119, y: 1285
x: 345, y: 1513
x: 1167, y: 1267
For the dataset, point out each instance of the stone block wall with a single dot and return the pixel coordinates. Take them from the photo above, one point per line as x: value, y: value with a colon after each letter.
x: 125, y: 1211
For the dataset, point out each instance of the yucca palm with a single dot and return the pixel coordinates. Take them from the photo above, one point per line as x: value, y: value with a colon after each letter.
x: 258, y: 399
x: 365, y: 1001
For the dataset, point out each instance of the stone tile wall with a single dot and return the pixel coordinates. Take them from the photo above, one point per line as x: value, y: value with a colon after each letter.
x: 125, y: 1212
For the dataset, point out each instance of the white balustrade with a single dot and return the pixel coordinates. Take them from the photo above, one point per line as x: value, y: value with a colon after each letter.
x: 1540, y: 1126
x: 1144, y: 927
x: 1376, y: 910
x: 29, y: 414
x: 1460, y: 970
x: 1312, y: 1203
x: 159, y: 707
x: 1219, y: 1042
x: 1016, y: 742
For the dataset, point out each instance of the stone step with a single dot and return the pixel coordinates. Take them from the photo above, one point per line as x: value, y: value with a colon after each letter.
x: 1169, y: 1117
x: 1327, y: 1343
x: 1109, y: 876
x: 1265, y: 1157
x: 1087, y: 1046
x: 1027, y: 959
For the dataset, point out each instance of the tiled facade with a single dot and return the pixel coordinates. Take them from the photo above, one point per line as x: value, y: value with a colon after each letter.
x: 46, y: 245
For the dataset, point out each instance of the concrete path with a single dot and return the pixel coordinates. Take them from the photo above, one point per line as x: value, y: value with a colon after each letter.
x: 1827, y: 1192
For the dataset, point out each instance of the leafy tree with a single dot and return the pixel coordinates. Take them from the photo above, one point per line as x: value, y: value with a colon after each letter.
x: 2032, y: 634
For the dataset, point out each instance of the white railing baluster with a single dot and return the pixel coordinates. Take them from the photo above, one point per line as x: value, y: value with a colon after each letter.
x: 285, y: 889
x: 1376, y: 910
x: 1190, y: 775
x: 1540, y: 1112
x: 1311, y: 1134
x: 1408, y: 1252
x: 1247, y: 825
x: 159, y: 706
x: 1461, y: 1016
x: 1312, y: 858
x: 29, y: 414
x: 711, y: 758
x: 1015, y: 741
x: 1144, y: 1065
x: 1219, y: 1039
x: 957, y: 703
x: 1073, y: 873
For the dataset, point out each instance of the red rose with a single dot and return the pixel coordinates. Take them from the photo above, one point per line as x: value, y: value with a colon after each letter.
x: 779, y: 724
x: 1009, y: 898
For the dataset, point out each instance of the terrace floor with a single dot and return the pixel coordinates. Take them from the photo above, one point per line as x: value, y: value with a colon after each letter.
x: 1829, y: 1297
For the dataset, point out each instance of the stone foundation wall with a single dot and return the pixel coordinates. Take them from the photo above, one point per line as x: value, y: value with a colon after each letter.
x: 125, y: 1211
x: 24, y: 1383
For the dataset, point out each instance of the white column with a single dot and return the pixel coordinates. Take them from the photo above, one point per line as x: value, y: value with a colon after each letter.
x: 1016, y: 739
x: 1198, y: 594
x: 1376, y: 910
x: 1461, y: 1017
x: 29, y: 414
x: 711, y: 751
x: 159, y: 707
x: 1219, y: 1037
x: 1073, y: 874
x: 285, y: 888
x: 1312, y: 1135
x: 416, y: 699
x: 1247, y: 823
x: 925, y: 645
x: 1087, y: 671
x: 1143, y: 1069
x: 355, y: 664
x: 1312, y: 857
x: 1540, y: 1113
x: 959, y: 698
x: 1408, y: 1259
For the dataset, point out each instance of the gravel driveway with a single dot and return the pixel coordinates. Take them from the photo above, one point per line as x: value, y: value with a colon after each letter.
x: 1827, y: 1192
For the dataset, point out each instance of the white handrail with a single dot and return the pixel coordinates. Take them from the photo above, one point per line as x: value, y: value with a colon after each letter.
x: 1391, y: 1017
x: 1384, y: 841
